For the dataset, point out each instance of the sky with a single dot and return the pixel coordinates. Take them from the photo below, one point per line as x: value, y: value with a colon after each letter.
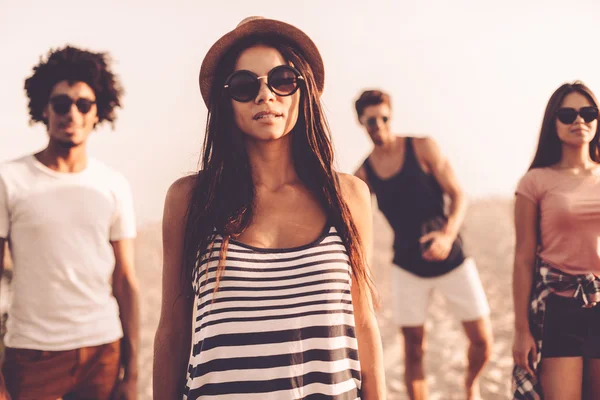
x: 473, y: 75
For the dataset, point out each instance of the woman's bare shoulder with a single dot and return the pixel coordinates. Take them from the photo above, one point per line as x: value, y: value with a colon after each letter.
x: 179, y: 195
x: 354, y: 190
x: 183, y: 185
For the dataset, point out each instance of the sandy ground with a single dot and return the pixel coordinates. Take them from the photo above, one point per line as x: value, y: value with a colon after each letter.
x: 489, y: 239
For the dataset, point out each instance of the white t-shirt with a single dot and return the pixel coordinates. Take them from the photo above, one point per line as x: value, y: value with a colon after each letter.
x: 59, y: 227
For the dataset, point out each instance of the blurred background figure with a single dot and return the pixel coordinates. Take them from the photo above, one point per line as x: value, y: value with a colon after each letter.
x: 557, y: 222
x: 409, y: 176
x: 68, y: 219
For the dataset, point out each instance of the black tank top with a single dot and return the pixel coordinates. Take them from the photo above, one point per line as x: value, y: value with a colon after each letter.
x: 410, y: 199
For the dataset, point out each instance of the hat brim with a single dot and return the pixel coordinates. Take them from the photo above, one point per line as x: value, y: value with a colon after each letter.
x: 254, y: 27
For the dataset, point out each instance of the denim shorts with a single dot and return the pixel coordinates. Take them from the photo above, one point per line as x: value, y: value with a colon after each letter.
x: 569, y: 329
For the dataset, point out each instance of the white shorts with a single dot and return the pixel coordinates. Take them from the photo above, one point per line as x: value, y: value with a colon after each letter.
x: 461, y: 287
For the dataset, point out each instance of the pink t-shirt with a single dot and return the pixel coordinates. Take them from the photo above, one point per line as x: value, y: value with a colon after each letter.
x: 569, y: 208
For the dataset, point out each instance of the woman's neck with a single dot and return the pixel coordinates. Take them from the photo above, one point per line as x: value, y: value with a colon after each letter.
x: 576, y: 158
x: 272, y: 163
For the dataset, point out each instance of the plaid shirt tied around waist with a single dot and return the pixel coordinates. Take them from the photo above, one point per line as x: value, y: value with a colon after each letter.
x: 548, y: 279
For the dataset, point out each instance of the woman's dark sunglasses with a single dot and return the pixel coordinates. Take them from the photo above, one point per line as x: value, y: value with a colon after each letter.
x: 244, y: 85
x: 372, y: 122
x: 61, y: 104
x: 568, y: 115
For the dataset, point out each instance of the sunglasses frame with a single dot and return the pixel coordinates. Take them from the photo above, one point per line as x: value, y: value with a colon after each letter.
x: 577, y: 114
x: 267, y: 78
x: 77, y: 102
x: 373, y: 124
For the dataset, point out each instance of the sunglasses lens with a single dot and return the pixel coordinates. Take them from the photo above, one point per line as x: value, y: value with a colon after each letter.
x: 566, y: 115
x: 588, y: 113
x: 283, y: 80
x: 84, y: 105
x: 61, y: 104
x: 243, y: 87
x: 372, y: 122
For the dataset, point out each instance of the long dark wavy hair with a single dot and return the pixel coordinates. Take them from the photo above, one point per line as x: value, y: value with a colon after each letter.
x: 549, y: 149
x: 223, y: 196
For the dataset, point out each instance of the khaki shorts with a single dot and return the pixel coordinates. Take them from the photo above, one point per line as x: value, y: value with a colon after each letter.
x: 85, y: 373
x: 461, y: 288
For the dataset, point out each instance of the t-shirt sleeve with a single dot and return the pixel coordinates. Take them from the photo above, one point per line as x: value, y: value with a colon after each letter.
x: 4, y: 210
x: 123, y: 225
x: 529, y: 186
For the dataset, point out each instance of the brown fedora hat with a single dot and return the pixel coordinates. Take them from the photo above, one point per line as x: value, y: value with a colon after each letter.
x: 259, y: 26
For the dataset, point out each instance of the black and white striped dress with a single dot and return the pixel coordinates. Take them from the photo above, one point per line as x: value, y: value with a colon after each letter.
x: 281, y: 325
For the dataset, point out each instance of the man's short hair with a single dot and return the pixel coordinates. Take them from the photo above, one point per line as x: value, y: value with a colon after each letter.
x: 371, y: 98
x: 74, y: 65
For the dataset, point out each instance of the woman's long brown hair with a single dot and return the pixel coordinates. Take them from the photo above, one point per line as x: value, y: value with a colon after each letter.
x: 223, y: 196
x: 549, y: 149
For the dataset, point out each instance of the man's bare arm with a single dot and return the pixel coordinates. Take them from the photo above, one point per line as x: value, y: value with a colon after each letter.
x: 125, y: 290
x: 2, y: 255
x: 444, y: 174
x: 3, y: 394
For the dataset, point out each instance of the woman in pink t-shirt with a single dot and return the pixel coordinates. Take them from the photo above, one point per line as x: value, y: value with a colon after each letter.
x: 557, y: 255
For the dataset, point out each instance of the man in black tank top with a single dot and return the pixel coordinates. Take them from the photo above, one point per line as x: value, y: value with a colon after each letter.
x: 409, y: 176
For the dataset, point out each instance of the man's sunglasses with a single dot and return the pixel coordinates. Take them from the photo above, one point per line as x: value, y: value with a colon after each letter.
x: 568, y: 115
x: 372, y: 122
x: 62, y: 103
x: 244, y: 85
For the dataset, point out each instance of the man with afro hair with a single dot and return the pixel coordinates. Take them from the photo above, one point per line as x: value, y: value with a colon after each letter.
x: 73, y: 323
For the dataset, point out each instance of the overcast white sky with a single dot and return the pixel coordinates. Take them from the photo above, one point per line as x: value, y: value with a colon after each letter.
x: 474, y: 75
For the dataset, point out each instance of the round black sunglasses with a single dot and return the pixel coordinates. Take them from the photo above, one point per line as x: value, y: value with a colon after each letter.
x: 62, y: 103
x: 243, y: 85
x: 372, y: 122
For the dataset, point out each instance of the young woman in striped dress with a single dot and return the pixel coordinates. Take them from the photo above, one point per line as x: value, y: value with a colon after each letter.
x: 266, y: 291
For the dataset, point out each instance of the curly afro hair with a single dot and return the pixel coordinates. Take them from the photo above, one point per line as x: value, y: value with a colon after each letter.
x: 74, y: 65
